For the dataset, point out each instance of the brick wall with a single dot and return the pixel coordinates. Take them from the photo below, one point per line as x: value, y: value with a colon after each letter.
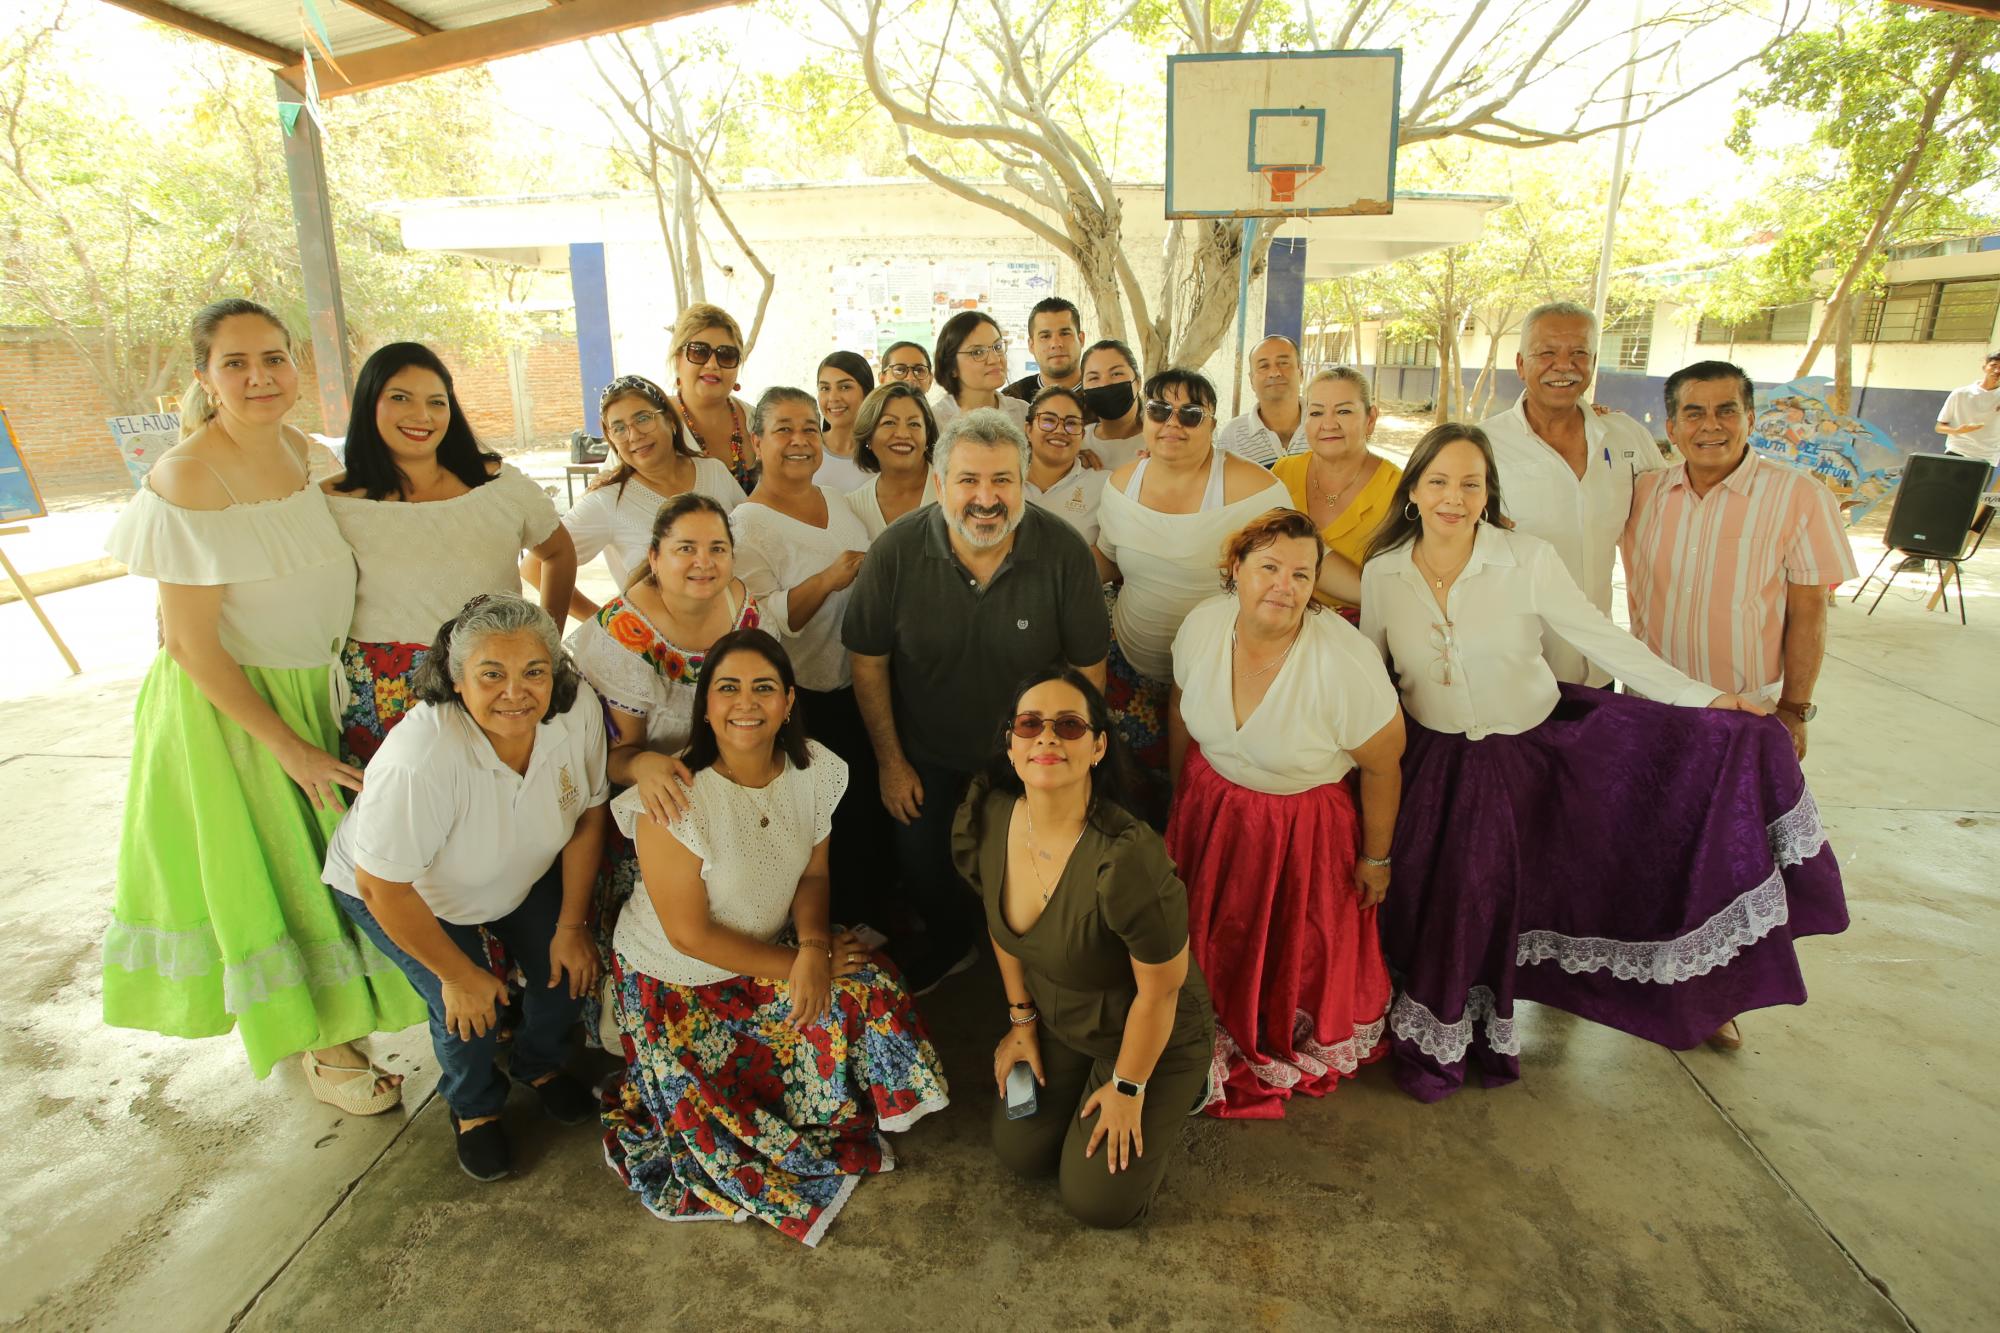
x: 58, y: 411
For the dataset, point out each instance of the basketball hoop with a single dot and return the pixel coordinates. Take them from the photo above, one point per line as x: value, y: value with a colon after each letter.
x: 1283, y: 182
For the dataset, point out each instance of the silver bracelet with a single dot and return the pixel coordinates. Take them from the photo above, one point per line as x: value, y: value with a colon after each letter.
x: 1023, y: 1022
x: 1380, y: 863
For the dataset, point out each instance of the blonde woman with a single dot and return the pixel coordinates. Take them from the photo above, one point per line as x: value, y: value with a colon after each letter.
x: 1339, y: 482
x: 707, y: 356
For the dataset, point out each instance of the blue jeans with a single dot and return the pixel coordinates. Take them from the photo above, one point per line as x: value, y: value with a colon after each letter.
x: 469, y: 1083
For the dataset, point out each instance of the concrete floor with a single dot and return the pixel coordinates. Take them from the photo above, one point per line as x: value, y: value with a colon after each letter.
x: 1839, y: 1172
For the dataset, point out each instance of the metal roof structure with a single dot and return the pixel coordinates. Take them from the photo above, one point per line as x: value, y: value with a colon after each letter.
x: 380, y: 42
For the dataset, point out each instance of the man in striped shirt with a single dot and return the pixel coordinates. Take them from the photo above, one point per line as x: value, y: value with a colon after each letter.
x: 1728, y: 556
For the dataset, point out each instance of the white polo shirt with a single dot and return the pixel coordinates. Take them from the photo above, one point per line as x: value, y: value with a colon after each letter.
x: 1073, y: 498
x: 1248, y: 437
x: 1583, y: 518
x: 441, y: 811
x: 1968, y: 405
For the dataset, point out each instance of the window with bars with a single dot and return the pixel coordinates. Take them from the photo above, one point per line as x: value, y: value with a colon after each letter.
x: 1404, y: 352
x: 1628, y: 340
x: 1773, y: 324
x: 1922, y: 312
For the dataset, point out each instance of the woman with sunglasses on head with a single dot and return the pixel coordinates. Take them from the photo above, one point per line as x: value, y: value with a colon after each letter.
x: 1109, y: 392
x: 1161, y: 521
x: 707, y: 354
x: 1640, y: 865
x: 1057, y: 479
x: 896, y: 434
x: 971, y: 368
x: 907, y: 363
x: 656, y: 461
x: 434, y: 519
x: 844, y: 382
x: 766, y: 1053
x: 1105, y: 1005
x: 1274, y: 704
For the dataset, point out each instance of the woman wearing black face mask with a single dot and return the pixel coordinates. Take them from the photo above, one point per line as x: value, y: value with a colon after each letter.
x: 1110, y: 395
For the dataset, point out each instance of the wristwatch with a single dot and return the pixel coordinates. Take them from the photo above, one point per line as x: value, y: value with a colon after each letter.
x: 1803, y: 712
x: 1127, y: 1086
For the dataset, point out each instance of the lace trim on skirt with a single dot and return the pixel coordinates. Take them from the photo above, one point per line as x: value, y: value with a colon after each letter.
x: 1795, y: 837
x: 1445, y: 1042
x: 178, y: 955
x: 1311, y: 1059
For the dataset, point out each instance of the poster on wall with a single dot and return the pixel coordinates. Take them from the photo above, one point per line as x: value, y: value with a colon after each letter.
x: 141, y: 439
x: 890, y: 301
x: 1853, y: 458
x: 20, y: 498
x: 1016, y: 285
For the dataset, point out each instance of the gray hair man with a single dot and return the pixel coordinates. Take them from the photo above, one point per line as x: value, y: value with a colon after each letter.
x: 1568, y: 469
x: 954, y: 605
x: 1276, y: 425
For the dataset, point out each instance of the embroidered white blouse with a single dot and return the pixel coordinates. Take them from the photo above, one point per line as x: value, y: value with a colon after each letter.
x: 1488, y: 641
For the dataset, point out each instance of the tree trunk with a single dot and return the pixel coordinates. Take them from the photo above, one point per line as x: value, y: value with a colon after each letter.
x: 1843, y: 361
x: 1843, y: 292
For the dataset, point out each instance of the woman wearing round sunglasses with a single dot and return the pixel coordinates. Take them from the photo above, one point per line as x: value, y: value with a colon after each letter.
x: 708, y: 353
x: 1639, y: 865
x: 1274, y: 704
x: 972, y: 369
x: 656, y: 461
x: 1105, y: 1007
x: 1162, y: 519
x: 1058, y: 481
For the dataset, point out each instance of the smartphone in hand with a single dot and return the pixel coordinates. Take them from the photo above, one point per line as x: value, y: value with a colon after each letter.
x: 1020, y: 1091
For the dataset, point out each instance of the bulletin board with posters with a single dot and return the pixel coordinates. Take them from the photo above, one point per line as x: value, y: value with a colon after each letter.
x: 908, y: 300
x: 142, y: 439
x: 20, y: 497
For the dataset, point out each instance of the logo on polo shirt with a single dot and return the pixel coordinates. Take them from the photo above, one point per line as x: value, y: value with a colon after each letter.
x: 1020, y: 624
x: 566, y: 792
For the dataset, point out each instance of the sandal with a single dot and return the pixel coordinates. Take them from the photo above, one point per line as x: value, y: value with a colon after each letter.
x: 1728, y: 1037
x: 356, y: 1096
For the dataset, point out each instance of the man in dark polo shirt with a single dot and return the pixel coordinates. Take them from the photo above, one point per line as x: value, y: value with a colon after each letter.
x: 955, y: 604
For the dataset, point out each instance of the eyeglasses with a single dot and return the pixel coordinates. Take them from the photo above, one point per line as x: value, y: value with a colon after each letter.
x: 1067, y: 726
x: 1444, y: 645
x: 904, y: 371
x: 726, y: 356
x: 1050, y: 424
x: 638, y: 421
x: 986, y: 353
x: 1189, y: 415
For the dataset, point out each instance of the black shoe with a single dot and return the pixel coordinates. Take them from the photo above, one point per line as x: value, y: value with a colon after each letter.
x: 566, y: 1100
x: 483, y: 1153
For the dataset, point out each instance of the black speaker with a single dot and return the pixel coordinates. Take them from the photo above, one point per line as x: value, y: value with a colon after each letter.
x: 1935, y: 504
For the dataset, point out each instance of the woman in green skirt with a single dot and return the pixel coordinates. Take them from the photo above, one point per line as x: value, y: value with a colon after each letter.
x: 221, y: 920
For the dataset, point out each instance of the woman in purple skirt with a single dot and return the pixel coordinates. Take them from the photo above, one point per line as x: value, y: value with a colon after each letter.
x: 1641, y: 865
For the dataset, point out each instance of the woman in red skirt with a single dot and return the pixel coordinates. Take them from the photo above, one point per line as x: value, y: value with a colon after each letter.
x: 1273, y: 705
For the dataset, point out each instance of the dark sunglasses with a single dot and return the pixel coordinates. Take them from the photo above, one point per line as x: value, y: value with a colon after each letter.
x: 1067, y: 726
x: 1190, y: 414
x: 726, y: 356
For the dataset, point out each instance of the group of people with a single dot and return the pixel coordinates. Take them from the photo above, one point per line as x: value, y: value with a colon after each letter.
x: 1250, y: 756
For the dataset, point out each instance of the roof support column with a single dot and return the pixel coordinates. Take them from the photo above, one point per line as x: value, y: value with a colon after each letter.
x: 319, y: 264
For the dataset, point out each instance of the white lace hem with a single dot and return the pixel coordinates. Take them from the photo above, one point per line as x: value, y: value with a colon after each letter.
x: 1445, y: 1042
x: 1312, y: 1060
x: 181, y: 955
x: 1794, y: 837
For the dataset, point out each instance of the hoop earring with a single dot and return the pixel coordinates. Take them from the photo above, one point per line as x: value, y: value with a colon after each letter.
x: 1410, y: 511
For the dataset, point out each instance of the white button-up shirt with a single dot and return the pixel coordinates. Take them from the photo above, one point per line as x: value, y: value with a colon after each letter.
x: 1248, y: 437
x: 1582, y: 517
x: 442, y: 812
x: 1488, y: 639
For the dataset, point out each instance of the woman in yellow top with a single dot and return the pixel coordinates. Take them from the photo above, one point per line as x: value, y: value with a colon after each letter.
x: 1346, y: 489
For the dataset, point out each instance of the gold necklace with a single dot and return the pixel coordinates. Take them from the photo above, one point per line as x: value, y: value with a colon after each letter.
x: 763, y: 811
x: 1424, y: 568
x: 1352, y: 476
x: 1037, y: 855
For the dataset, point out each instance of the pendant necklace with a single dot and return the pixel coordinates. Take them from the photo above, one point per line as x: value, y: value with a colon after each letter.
x: 1038, y: 855
x: 763, y: 814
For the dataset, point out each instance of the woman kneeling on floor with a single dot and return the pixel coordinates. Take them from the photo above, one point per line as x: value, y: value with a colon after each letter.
x: 485, y: 807
x: 1106, y: 1007
x: 762, y: 1066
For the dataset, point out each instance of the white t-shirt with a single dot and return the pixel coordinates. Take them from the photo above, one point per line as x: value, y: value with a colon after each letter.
x: 421, y: 563
x: 944, y: 407
x: 1169, y: 565
x: 1330, y: 695
x: 1073, y: 498
x: 1512, y: 588
x: 751, y: 871
x: 1114, y: 454
x: 838, y: 474
x: 868, y: 508
x: 1965, y: 406
x: 1583, y: 518
x: 619, y: 524
x: 442, y: 812
x: 1248, y: 437
x: 774, y: 554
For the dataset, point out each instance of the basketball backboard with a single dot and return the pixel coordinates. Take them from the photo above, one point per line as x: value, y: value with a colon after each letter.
x: 1248, y: 133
